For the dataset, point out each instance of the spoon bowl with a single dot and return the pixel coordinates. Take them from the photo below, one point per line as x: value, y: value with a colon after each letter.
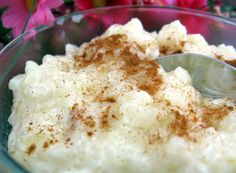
x: 212, y: 77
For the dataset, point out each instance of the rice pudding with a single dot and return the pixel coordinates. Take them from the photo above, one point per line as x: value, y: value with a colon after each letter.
x: 108, y: 106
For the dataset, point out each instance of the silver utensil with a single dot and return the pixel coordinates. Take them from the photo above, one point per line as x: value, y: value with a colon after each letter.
x: 212, y: 77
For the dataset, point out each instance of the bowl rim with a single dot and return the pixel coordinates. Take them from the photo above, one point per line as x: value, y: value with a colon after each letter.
x: 16, y: 167
x: 40, y: 28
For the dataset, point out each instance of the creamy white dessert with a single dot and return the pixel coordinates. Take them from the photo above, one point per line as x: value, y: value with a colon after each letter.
x: 108, y: 106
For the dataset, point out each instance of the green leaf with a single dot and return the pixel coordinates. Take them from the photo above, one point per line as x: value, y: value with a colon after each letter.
x: 2, y: 10
x: 5, y: 33
x: 69, y: 1
x: 211, y: 4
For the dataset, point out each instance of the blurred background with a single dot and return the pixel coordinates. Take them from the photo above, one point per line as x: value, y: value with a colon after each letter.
x: 27, y: 14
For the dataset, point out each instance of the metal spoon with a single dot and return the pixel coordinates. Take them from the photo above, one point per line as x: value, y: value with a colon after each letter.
x: 212, y: 77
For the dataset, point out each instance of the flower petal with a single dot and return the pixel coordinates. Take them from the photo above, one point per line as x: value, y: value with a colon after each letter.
x: 42, y: 16
x: 169, y: 2
x: 199, y: 4
x: 16, y: 31
x: 8, y: 3
x: 118, y: 2
x: 184, y: 3
x: 13, y: 16
x: 83, y: 4
x: 51, y: 3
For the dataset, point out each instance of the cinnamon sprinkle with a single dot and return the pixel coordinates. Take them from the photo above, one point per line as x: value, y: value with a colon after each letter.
x: 78, y: 114
x: 129, y: 55
x: 189, y: 125
x: 89, y: 122
x: 90, y: 134
x: 104, y: 120
x: 213, y: 115
x: 231, y: 62
x: 116, y: 52
x: 31, y: 149
x: 45, y: 145
x: 106, y: 99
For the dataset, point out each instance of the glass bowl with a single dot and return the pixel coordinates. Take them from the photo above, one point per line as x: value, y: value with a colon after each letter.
x: 80, y: 27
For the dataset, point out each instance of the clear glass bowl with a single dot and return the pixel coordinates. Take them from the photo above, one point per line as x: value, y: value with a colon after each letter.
x: 80, y: 27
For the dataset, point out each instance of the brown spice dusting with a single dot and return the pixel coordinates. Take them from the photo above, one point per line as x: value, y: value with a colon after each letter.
x: 65, y: 67
x: 78, y: 114
x: 220, y: 57
x: 182, y: 43
x: 50, y: 141
x: 192, y: 124
x: 145, y: 72
x: 148, y: 88
x: 130, y: 56
x: 231, y: 108
x: 45, y: 145
x: 90, y: 134
x: 59, y: 117
x: 213, y: 115
x: 116, y: 52
x: 180, y: 125
x: 106, y: 99
x: 29, y: 129
x: 104, y: 119
x: 31, y: 149
x: 154, y: 138
x: 231, y: 62
x: 166, y: 50
x: 114, y: 117
x: 89, y: 122
x: 50, y: 129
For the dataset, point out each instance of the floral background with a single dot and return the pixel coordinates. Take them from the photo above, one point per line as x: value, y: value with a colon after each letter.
x: 27, y: 14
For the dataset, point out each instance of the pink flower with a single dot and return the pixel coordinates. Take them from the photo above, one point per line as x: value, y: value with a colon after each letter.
x: 87, y: 4
x: 84, y: 5
x: 123, y: 16
x: 18, y: 10
x: 194, y: 4
x: 191, y: 21
x: 106, y: 20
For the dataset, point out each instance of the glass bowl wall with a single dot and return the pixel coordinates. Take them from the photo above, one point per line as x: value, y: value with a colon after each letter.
x: 80, y: 27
